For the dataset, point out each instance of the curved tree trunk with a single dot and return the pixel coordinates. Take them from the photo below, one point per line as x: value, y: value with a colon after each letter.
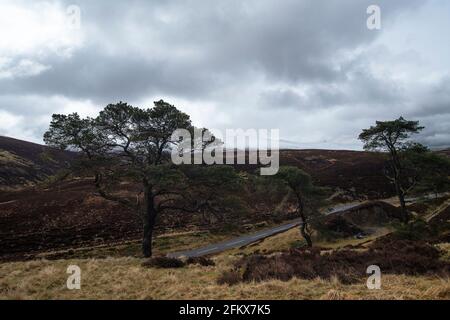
x: 397, y: 168
x: 305, y: 234
x: 304, y: 224
x: 401, y: 198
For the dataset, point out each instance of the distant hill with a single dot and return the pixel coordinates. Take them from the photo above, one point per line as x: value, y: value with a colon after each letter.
x: 445, y: 152
x: 24, y: 163
x: 357, y: 172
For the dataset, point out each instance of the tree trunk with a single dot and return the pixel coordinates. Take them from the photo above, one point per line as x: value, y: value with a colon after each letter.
x: 149, y: 221
x: 401, y: 198
x: 305, y: 234
x: 147, y: 239
x: 304, y: 224
x: 396, y: 165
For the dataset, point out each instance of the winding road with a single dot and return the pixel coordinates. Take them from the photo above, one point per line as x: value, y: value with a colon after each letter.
x: 248, y: 239
x: 234, y: 243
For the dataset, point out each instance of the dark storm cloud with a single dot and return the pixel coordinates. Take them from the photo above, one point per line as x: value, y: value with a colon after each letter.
x: 186, y: 48
x: 98, y: 77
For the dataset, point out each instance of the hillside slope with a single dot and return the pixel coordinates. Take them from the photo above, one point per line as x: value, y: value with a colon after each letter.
x: 445, y: 152
x: 68, y: 213
x: 357, y: 172
x: 24, y: 163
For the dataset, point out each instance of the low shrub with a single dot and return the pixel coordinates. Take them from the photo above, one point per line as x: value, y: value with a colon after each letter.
x: 163, y: 262
x: 341, y: 227
x: 201, y: 261
x: 230, y: 277
x: 417, y: 229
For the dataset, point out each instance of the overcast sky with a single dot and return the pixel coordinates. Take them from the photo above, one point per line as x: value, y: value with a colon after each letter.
x: 311, y: 68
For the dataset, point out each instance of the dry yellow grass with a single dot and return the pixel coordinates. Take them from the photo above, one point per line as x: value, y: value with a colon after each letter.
x: 162, y: 245
x: 10, y: 158
x: 125, y: 278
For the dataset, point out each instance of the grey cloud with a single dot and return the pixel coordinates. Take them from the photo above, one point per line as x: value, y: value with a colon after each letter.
x: 245, y: 57
x: 358, y: 87
x: 435, y: 101
x: 202, y: 43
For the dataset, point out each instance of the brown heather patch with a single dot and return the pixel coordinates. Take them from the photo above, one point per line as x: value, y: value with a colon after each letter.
x: 164, y: 263
x: 347, y: 266
x: 203, y: 261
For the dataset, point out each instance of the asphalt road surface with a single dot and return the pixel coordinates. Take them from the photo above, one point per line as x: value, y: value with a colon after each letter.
x: 245, y: 240
x: 236, y: 242
x: 248, y: 239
